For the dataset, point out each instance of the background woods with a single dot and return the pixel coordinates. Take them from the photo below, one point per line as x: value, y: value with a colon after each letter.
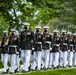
x: 55, y: 13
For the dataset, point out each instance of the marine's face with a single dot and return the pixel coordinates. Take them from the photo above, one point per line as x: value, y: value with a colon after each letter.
x: 13, y: 33
x: 64, y: 33
x: 5, y: 34
x: 55, y: 33
x: 45, y: 29
x: 37, y: 30
x: 26, y: 27
x: 69, y: 35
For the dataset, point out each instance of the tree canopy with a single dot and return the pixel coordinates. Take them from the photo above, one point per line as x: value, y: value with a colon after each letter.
x: 61, y: 13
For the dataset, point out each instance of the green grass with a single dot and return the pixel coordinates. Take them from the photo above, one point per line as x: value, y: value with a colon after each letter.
x: 1, y: 66
x: 49, y: 72
x: 71, y: 71
x: 52, y: 72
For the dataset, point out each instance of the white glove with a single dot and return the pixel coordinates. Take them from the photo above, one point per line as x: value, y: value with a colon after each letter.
x: 59, y: 50
x: 73, y: 50
x: 68, y: 50
x: 33, y: 48
x: 6, y: 43
x: 17, y: 53
x: 50, y: 48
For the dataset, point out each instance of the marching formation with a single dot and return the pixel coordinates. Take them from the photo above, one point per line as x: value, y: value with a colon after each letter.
x: 37, y: 50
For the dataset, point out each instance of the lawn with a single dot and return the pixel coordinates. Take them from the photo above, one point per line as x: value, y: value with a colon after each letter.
x: 1, y: 66
x: 70, y: 71
x: 52, y: 72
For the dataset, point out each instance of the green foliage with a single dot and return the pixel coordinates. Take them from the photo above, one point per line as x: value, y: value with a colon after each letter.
x: 15, y: 12
x: 1, y: 65
x: 3, y: 25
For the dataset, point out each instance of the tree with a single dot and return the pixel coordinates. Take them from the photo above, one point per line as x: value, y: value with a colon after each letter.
x: 15, y: 12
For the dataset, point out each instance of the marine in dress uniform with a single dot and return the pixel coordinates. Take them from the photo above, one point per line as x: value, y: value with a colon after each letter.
x: 74, y: 43
x: 18, y: 55
x: 4, y: 52
x: 46, y: 46
x: 38, y: 49
x: 26, y: 45
x: 54, y: 53
x: 14, y: 44
x: 70, y: 49
x: 64, y: 49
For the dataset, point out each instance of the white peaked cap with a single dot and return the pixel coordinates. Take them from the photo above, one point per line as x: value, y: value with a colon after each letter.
x: 46, y: 27
x: 56, y: 31
x: 26, y: 23
x: 38, y: 27
x: 5, y: 31
x: 69, y: 32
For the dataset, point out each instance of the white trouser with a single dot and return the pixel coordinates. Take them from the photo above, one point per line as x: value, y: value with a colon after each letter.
x: 4, y: 59
x: 56, y: 59
x: 61, y: 58
x: 34, y: 60
x: 64, y: 55
x: 39, y: 60
x: 51, y: 59
x: 74, y: 58
x: 25, y: 56
x: 46, y: 58
x: 70, y: 58
x: 17, y: 62
x: 42, y: 59
x: 12, y: 60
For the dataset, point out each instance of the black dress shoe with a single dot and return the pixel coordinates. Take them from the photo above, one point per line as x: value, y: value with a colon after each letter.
x: 58, y: 67
x: 7, y: 70
x: 50, y: 67
x: 54, y: 67
x: 45, y: 68
x: 4, y: 72
x: 23, y: 71
x: 16, y: 70
x: 69, y: 66
x: 36, y: 68
x: 11, y: 73
x: 64, y: 66
x: 74, y: 65
x: 29, y: 67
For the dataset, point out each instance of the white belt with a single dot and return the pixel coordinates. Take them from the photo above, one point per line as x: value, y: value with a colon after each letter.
x: 64, y: 44
x: 39, y: 42
x: 3, y: 45
x: 12, y: 46
x: 48, y: 42
x: 56, y: 45
x: 71, y: 45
